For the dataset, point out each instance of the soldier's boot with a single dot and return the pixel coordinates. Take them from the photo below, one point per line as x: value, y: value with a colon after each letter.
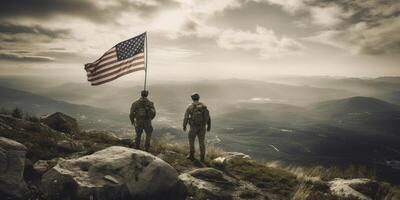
x: 202, y: 157
x: 190, y: 157
x: 147, y: 145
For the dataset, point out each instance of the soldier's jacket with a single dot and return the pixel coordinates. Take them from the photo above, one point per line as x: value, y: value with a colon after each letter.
x: 142, y: 109
x: 190, y: 112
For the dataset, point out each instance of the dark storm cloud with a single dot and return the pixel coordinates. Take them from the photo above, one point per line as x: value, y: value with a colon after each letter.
x: 8, y: 28
x: 24, y: 58
x: 46, y: 8
x: 92, y: 10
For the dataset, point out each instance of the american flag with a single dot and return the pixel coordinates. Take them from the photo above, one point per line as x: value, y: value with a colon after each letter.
x: 125, y: 57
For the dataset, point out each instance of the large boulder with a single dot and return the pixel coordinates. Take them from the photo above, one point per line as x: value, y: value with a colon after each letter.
x: 113, y: 173
x: 12, y: 164
x: 61, y: 122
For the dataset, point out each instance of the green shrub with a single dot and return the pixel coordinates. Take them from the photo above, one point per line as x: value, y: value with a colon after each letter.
x: 31, y: 118
x: 17, y: 113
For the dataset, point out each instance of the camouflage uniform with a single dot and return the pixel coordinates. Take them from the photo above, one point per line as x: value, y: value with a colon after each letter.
x: 142, y: 112
x: 197, y: 130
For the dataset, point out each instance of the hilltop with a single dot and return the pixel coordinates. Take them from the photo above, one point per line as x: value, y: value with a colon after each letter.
x: 62, y: 163
x: 354, y: 105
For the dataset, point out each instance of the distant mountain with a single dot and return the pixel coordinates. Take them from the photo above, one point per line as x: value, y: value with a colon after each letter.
x: 357, y: 86
x: 354, y: 106
x: 389, y: 79
x: 174, y: 96
x: 392, y: 97
x: 38, y: 105
x: 11, y: 98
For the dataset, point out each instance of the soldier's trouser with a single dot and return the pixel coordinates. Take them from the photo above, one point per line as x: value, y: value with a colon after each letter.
x: 148, y: 128
x: 200, y: 133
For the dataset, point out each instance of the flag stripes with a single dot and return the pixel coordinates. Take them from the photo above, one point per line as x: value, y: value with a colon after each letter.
x: 124, y: 58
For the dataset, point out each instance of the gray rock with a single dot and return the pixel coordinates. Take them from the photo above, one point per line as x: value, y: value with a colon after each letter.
x: 12, y: 164
x: 230, y: 158
x: 61, y: 122
x: 213, y: 184
x: 111, y: 179
x: 42, y: 166
x: 199, y: 189
x: 70, y: 146
x: 136, y: 174
x: 362, y: 189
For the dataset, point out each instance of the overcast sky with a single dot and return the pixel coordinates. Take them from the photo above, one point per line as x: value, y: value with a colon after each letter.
x: 203, y: 38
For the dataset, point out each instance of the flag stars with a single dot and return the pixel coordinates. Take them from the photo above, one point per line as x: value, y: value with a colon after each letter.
x: 130, y: 47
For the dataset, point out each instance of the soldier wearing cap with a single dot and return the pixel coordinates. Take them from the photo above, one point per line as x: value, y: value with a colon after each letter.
x: 142, y: 112
x: 198, y: 117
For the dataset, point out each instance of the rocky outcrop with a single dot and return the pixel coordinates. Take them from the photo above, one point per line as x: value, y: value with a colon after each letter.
x: 362, y: 188
x: 213, y: 184
x: 345, y: 188
x: 61, y: 122
x: 229, y: 159
x: 113, y: 173
x: 12, y: 164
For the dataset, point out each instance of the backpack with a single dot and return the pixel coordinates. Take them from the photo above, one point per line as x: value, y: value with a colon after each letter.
x: 199, y: 115
x: 145, y: 110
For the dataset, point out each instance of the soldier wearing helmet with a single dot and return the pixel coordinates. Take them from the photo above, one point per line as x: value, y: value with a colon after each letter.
x: 198, y: 117
x: 142, y: 112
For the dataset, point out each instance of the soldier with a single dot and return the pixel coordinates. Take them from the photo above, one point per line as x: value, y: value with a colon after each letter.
x: 198, y: 117
x: 142, y: 112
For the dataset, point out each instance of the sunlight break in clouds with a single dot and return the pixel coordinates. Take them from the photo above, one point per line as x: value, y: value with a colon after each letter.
x: 328, y: 16
x: 263, y: 40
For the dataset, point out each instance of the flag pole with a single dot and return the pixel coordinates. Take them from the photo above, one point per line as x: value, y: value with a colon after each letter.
x: 145, y: 69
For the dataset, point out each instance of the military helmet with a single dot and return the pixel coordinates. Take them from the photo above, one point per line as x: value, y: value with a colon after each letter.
x: 144, y: 93
x: 195, y: 96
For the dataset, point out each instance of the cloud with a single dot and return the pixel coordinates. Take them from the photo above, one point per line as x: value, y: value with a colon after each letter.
x: 369, y: 27
x: 264, y: 41
x: 9, y: 28
x: 328, y: 16
x: 172, y: 54
x: 207, y: 8
x: 24, y: 58
x: 291, y: 6
x: 198, y: 29
x: 362, y: 38
x: 360, y: 26
x: 98, y: 11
